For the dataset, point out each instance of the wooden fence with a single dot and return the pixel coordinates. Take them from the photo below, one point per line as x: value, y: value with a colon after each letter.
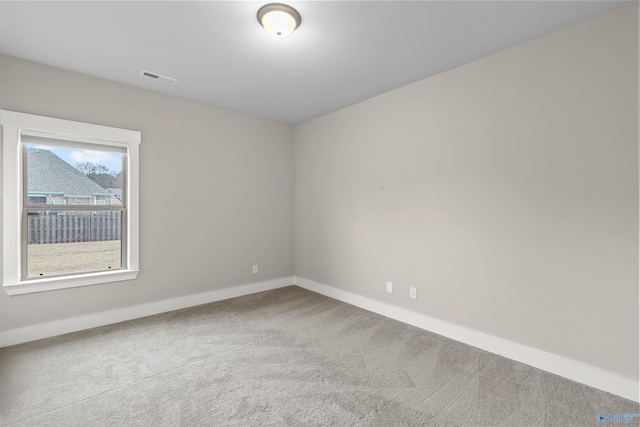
x: 74, y: 227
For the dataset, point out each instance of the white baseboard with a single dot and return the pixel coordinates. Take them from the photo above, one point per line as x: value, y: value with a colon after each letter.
x: 558, y: 365
x: 65, y: 326
x: 567, y: 368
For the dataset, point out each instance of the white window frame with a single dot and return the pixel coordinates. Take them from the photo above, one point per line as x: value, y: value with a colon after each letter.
x: 13, y: 123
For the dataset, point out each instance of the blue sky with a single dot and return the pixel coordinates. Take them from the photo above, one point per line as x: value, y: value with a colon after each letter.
x: 73, y: 156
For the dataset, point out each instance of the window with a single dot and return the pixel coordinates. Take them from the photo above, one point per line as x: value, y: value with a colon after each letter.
x: 51, y: 162
x: 36, y: 200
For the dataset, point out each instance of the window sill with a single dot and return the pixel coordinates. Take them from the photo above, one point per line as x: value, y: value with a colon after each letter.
x: 55, y: 283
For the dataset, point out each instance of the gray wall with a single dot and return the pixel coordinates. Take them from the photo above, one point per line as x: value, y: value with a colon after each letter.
x: 505, y: 191
x: 216, y: 191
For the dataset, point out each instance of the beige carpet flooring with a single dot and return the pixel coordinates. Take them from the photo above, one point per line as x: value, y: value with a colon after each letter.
x: 287, y: 357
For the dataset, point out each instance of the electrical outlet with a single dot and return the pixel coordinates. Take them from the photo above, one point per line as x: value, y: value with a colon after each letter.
x: 412, y: 293
x: 255, y: 269
x: 389, y: 287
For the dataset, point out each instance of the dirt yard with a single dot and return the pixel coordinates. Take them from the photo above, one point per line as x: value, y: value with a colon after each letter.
x: 60, y: 258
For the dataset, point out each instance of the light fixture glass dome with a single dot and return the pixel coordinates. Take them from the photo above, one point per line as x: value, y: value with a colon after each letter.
x: 279, y: 19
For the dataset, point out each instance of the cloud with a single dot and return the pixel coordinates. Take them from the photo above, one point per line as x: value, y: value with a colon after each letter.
x: 100, y: 157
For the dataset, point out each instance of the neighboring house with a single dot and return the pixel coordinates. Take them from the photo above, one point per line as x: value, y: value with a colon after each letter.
x: 117, y: 192
x: 53, y: 181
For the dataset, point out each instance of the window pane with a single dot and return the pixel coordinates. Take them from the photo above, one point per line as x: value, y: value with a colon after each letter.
x: 73, y: 242
x: 36, y: 200
x: 73, y: 176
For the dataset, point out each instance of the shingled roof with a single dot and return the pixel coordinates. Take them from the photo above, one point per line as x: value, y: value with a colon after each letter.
x: 49, y: 174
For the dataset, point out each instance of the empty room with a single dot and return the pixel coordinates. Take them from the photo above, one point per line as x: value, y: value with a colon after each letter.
x: 319, y: 213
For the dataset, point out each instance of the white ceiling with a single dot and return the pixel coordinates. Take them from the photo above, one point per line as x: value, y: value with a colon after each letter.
x: 344, y: 51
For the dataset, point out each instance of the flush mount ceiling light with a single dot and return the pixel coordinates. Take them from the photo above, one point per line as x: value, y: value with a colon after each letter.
x: 279, y: 19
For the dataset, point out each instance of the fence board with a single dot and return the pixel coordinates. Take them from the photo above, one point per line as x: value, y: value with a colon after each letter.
x: 73, y: 227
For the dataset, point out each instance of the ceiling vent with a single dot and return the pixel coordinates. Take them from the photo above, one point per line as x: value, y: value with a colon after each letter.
x: 158, y: 77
